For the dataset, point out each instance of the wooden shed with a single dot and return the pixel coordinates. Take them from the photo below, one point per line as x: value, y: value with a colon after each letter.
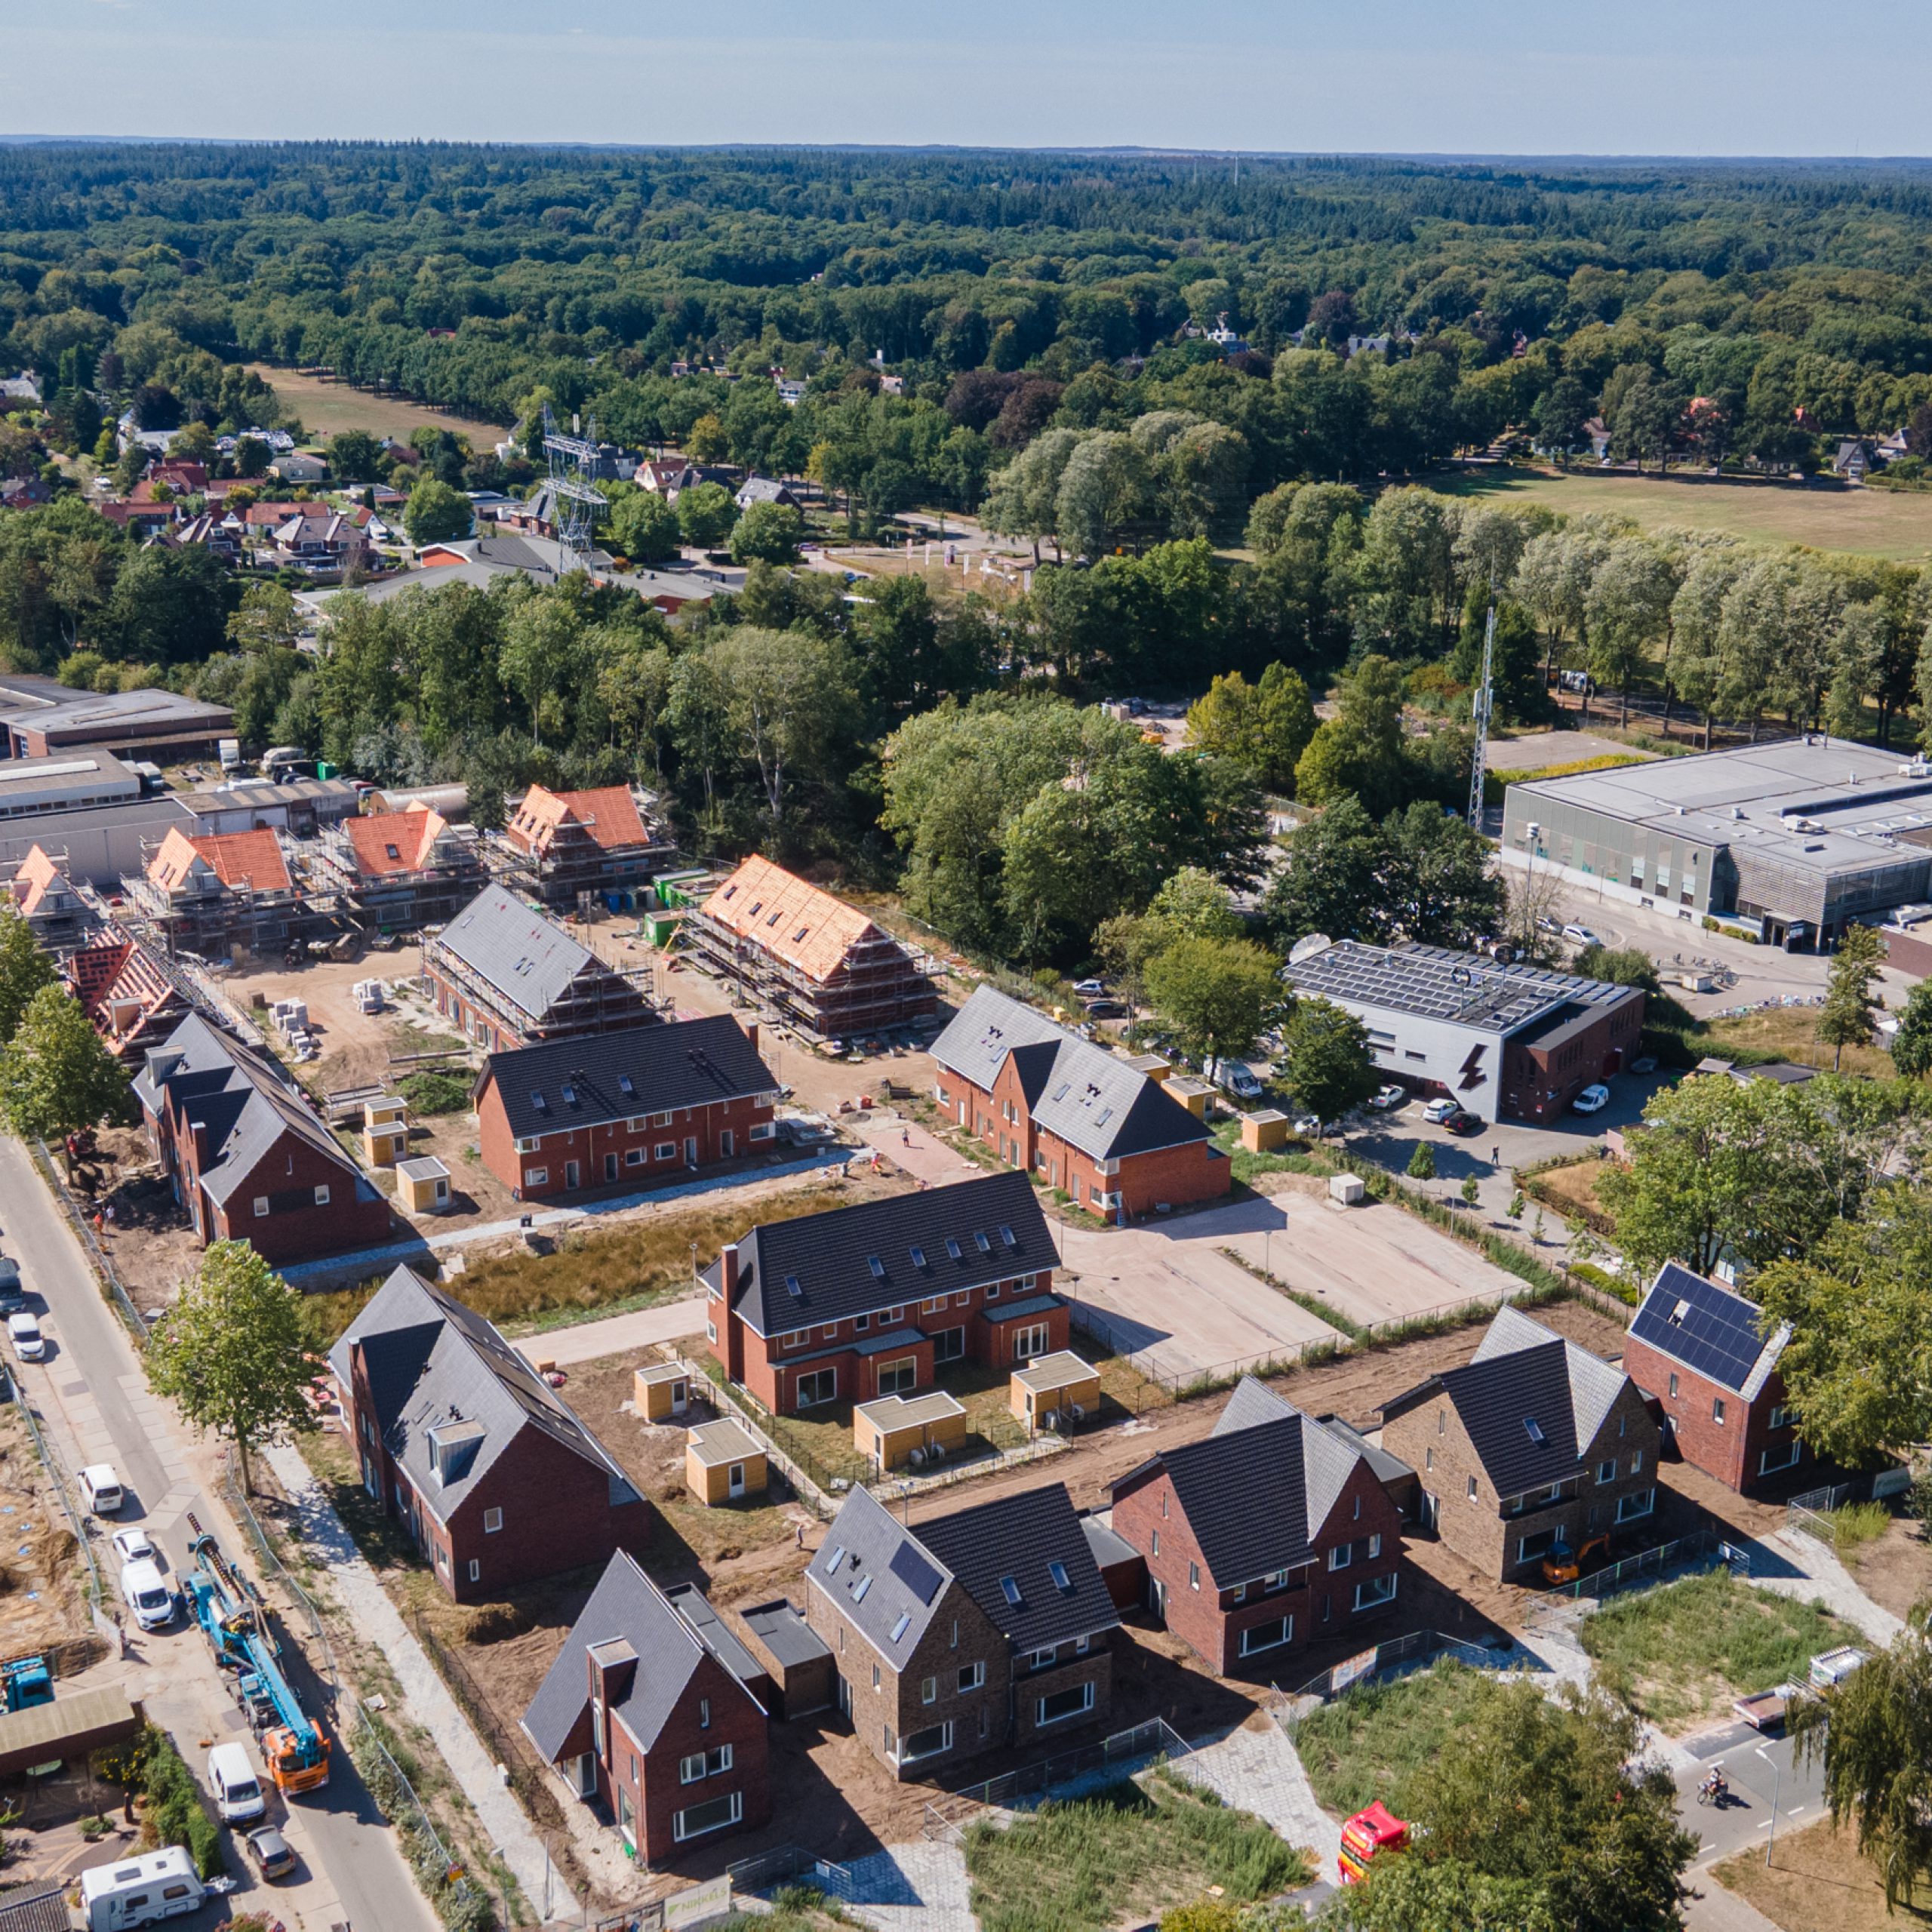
x: 385, y: 1131
x: 896, y: 1429
x: 724, y: 1463
x: 804, y: 1677
x: 1192, y: 1094
x: 1265, y: 1130
x: 663, y: 1391
x: 422, y: 1185
x: 1061, y: 1387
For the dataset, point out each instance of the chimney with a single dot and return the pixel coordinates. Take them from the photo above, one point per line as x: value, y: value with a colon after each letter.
x: 164, y: 1062
x: 197, y: 1132
x: 751, y: 1034
x: 727, y: 1270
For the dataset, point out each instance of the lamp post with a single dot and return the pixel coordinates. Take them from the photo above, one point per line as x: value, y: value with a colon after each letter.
x: 1778, y: 1781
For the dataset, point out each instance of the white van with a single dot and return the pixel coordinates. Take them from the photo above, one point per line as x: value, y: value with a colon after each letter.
x: 146, y: 1594
x: 237, y: 1790
x: 100, y: 1489
x: 1235, y: 1077
x: 23, y: 1331
x: 142, y: 1890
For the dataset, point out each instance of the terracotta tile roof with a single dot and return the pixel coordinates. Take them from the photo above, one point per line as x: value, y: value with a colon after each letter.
x: 123, y: 989
x: 794, y: 921
x: 38, y: 875
x: 609, y: 814
x: 243, y: 861
x: 387, y: 842
x: 260, y: 516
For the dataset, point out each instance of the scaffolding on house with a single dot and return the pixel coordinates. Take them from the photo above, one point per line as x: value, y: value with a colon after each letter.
x: 206, y: 916
x: 571, y: 860
x: 598, y: 999
x: 394, y: 901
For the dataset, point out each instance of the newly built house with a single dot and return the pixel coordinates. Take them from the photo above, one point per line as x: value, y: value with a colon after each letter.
x: 213, y: 893
x: 129, y: 992
x: 397, y: 872
x: 573, y: 843
x: 44, y: 896
x: 506, y: 977
x: 804, y: 959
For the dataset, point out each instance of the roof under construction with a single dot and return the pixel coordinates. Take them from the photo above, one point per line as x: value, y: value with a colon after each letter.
x: 800, y: 924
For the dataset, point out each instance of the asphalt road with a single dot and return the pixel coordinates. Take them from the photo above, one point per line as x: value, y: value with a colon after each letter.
x: 345, y: 1832
x: 1758, y: 1769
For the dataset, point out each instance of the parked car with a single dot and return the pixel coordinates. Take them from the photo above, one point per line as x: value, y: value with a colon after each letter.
x: 1090, y: 988
x: 1105, y: 1009
x: 232, y: 1783
x: 1580, y: 935
x: 100, y: 1489
x: 23, y: 1331
x: 1592, y: 1099
x: 13, y: 1294
x: 133, y: 1546
x: 147, y: 1595
x: 1441, y: 1110
x: 268, y: 1853
x: 1464, y: 1123
x: 1235, y: 1077
x: 1310, y: 1128
x: 1387, y: 1099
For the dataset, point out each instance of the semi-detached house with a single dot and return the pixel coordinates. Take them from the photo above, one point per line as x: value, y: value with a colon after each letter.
x: 989, y: 1628
x: 1533, y: 1447
x: 1084, y: 1120
x: 872, y: 1300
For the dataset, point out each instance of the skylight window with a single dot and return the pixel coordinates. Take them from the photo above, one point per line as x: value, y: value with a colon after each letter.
x: 1006, y: 1236
x: 877, y: 1267
x: 1062, y: 1582
x: 624, y: 1084
x: 981, y: 1242
x: 570, y: 1094
x: 952, y: 1251
x: 756, y: 909
x: 1535, y: 1430
x: 1060, y: 1092
x: 776, y: 917
x: 1009, y: 1589
x: 858, y: 1594
x: 838, y: 1558
x: 537, y: 1101
x: 800, y: 934
x: 792, y: 1286
x: 919, y: 1258
x: 898, y: 1628
x: 392, y: 851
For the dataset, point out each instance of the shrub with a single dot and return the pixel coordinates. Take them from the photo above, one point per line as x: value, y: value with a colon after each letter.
x: 174, y: 1814
x: 1421, y: 1162
x: 436, y: 1093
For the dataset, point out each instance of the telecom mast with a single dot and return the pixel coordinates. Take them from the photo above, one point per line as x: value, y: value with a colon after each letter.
x: 1484, y: 699
x: 576, y: 502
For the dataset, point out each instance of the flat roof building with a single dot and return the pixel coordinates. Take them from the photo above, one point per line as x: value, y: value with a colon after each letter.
x: 1795, y: 839
x: 144, y: 723
x: 32, y: 786
x: 1509, y: 1042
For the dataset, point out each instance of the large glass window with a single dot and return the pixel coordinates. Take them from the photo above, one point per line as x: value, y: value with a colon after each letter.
x: 696, y: 1819
x: 1267, y: 1636
x: 933, y: 1742
x: 1073, y: 1703
x: 821, y: 1385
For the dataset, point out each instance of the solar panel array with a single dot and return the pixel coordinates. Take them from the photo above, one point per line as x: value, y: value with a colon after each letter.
x: 1441, y: 984
x: 915, y: 1572
x: 1713, y: 1332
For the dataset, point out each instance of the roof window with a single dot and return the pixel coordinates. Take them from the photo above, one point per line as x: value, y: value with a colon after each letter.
x: 570, y: 1095
x: 537, y: 1101
x: 1006, y: 1236
x: 858, y: 1594
x: 838, y: 1558
x: 1062, y: 1582
x: 392, y: 851
x: 981, y: 1242
x: 1534, y: 1429
x: 624, y: 1084
x: 792, y: 1286
x: 918, y: 1258
x: 776, y: 917
x: 900, y: 1629
x: 1009, y: 1589
x: 952, y: 1251
x: 877, y: 1267
x: 800, y: 934
x: 758, y: 908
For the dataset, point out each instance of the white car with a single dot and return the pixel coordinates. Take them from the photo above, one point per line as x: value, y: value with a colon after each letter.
x: 1438, y: 1111
x: 147, y: 1595
x: 1592, y: 1099
x: 23, y: 1331
x: 236, y: 1790
x: 1388, y: 1098
x: 100, y: 1489
x: 133, y: 1546
x: 1581, y: 935
x: 1090, y: 988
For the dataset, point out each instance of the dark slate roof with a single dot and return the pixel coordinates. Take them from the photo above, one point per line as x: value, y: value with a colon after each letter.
x: 1108, y: 1545
x: 864, y: 1568
x: 246, y: 1103
x: 1532, y: 1402
x: 652, y: 1069
x: 1090, y: 1098
x: 830, y: 1255
x: 37, y: 1905
x: 527, y: 958
x: 625, y: 1604
x: 433, y: 1364
x: 1017, y: 1537
x: 1713, y: 1332
x: 787, y: 1638
x: 716, y: 1635
x: 1256, y: 1495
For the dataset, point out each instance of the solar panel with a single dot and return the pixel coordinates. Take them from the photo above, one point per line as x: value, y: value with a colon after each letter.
x: 912, y: 1569
x: 1716, y: 1335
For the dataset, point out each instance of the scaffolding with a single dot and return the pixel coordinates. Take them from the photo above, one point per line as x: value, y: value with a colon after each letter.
x: 207, y: 917
x: 397, y: 901
x: 569, y: 854
x: 57, y: 913
x: 599, y: 999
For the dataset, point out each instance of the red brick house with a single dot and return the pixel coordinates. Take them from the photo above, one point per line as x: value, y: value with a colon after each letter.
x: 1702, y: 1353
x: 1083, y: 1120
x: 651, y: 1104
x: 872, y: 1299
x: 505, y: 976
x: 248, y: 1158
x: 643, y: 1719
x: 987, y: 1629
x: 466, y: 1444
x: 1270, y: 1534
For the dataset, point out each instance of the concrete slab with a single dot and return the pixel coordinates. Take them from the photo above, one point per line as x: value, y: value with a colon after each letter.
x: 1535, y: 751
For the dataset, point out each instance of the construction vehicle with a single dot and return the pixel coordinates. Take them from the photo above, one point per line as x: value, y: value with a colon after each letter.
x: 1564, y: 1565
x: 234, y: 1621
x: 28, y: 1681
x: 1369, y: 1835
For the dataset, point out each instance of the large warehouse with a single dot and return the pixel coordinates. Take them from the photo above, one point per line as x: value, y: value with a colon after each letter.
x: 1793, y: 840
x: 1509, y: 1042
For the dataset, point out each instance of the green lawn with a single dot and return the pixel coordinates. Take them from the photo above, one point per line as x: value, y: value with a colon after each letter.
x: 1137, y: 1846
x: 1371, y: 1743
x: 1683, y: 1651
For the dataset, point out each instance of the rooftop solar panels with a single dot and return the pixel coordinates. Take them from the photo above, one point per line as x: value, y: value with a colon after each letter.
x: 1437, y: 983
x: 1715, y: 1334
x: 915, y: 1572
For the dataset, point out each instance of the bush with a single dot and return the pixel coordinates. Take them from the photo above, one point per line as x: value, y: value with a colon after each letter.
x: 463, y: 1906
x: 1421, y: 1162
x: 174, y: 1814
x: 434, y: 1093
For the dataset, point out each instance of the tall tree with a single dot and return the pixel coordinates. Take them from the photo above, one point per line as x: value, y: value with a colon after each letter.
x: 1849, y: 1017
x: 1216, y: 994
x: 1329, y: 1067
x: 56, y: 1078
x: 24, y: 969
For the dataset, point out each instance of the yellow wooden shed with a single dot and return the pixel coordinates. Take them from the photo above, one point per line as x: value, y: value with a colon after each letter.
x: 897, y: 1430
x: 422, y: 1185
x: 385, y: 1131
x: 663, y: 1391
x: 1061, y: 1387
x: 724, y: 1463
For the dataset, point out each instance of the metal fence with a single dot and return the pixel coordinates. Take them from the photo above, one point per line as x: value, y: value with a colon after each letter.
x: 1398, y: 1656
x: 417, y: 1820
x: 105, y: 1272
x: 1821, y: 1502
x: 1124, y: 1749
x: 1704, y: 1549
x: 103, y: 1622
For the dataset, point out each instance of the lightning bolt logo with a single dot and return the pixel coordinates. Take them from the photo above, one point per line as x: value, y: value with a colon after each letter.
x: 1473, y: 1069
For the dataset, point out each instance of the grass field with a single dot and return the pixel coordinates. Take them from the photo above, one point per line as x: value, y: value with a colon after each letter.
x: 1685, y: 1650
x: 1369, y: 1744
x: 325, y: 407
x: 1874, y: 523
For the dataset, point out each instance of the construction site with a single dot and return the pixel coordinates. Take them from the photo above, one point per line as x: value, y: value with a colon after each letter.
x: 395, y: 871
x: 566, y: 848
x: 803, y: 959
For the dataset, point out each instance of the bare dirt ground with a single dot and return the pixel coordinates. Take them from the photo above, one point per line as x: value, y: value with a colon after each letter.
x: 1895, y: 1571
x: 1816, y: 1879
x: 42, y: 1595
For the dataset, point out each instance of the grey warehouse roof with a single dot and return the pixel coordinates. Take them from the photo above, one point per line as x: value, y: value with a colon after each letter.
x: 1711, y: 1331
x: 1091, y: 1099
x: 529, y: 959
x: 1434, y: 982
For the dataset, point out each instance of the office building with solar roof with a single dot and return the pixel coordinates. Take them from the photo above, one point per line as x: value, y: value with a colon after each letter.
x: 1792, y: 840
x: 1702, y: 1353
x: 1515, y: 1042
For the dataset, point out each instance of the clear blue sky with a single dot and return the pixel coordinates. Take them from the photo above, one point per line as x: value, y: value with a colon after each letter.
x: 1680, y: 77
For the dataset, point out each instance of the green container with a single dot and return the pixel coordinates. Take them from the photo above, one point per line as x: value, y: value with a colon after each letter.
x: 324, y: 769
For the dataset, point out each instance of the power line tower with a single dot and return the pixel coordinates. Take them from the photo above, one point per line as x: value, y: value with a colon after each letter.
x: 577, y: 502
x: 1485, y: 698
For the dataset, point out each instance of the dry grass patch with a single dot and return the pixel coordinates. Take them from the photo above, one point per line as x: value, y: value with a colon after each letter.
x: 325, y: 407
x: 1816, y: 1879
x: 1790, y: 1032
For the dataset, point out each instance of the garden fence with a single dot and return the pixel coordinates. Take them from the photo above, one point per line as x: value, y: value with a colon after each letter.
x: 1702, y: 1549
x: 1395, y: 1658
x: 104, y: 1271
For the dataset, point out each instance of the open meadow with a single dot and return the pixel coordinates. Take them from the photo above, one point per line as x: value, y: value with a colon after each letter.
x: 325, y: 408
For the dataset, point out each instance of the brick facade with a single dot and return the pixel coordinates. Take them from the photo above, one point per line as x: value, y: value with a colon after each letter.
x: 1546, y: 1068
x: 638, y: 1153
x: 1362, y: 1536
x: 1613, y: 1492
x: 1726, y: 1434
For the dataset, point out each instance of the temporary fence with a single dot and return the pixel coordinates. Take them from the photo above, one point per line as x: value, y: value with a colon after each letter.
x: 97, y: 1611
x: 1124, y: 1751
x: 273, y: 1567
x: 104, y: 1271
x: 390, y: 1787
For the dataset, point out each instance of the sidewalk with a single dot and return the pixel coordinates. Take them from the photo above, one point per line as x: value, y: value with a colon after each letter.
x: 425, y: 1697
x: 617, y: 1334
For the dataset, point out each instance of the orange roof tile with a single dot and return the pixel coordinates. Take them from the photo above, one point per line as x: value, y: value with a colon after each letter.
x: 401, y: 841
x: 37, y: 876
x: 609, y: 814
x: 243, y: 861
x: 794, y: 921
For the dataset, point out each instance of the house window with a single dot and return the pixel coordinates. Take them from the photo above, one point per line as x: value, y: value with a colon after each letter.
x: 1073, y: 1703
x: 1341, y: 1556
x: 1636, y: 1462
x: 1473, y: 1489
x: 1268, y: 1636
x: 1673, y: 1385
x: 1528, y: 1548
x: 761, y: 1131
x: 949, y: 1344
x: 1779, y: 1416
x: 1428, y: 1459
x: 1607, y: 1470
x: 634, y: 1157
x: 529, y: 1146
x: 660, y: 1120
x: 934, y: 1741
x: 1638, y: 1504
x: 712, y: 1816
x: 536, y: 1177
x: 1194, y: 1576
x: 1275, y: 1580
x: 971, y: 1677
x: 895, y: 1377
x: 821, y: 1385
x: 1374, y: 1590
x: 929, y: 1691
x: 1043, y: 1660
x: 322, y: 1196
x: 261, y: 1206
x: 475, y: 1570
x: 1717, y: 1409
x: 704, y: 1763
x: 861, y: 1323
x: 1029, y: 1341
x: 1374, y: 1548
x: 493, y: 1521
x: 1156, y: 1550
x: 704, y: 1714
x: 830, y: 1331
x: 664, y: 1150
x: 1784, y: 1456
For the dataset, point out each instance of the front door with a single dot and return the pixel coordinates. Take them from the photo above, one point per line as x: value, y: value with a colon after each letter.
x: 735, y: 1481
x: 610, y: 1166
x: 1157, y: 1597
x: 691, y: 1151
x: 728, y: 1144
x: 569, y: 1173
x: 1430, y: 1504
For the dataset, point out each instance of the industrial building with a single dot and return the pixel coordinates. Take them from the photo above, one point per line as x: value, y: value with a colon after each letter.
x: 569, y: 844
x: 804, y: 959
x: 1509, y: 1042
x: 1790, y: 841
x: 395, y: 871
x: 505, y: 976
x: 33, y: 787
x: 42, y: 721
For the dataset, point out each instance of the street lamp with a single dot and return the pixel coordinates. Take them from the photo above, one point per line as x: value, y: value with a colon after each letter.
x: 1777, y: 1780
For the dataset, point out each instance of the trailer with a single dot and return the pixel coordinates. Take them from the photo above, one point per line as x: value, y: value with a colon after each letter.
x: 1767, y: 1710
